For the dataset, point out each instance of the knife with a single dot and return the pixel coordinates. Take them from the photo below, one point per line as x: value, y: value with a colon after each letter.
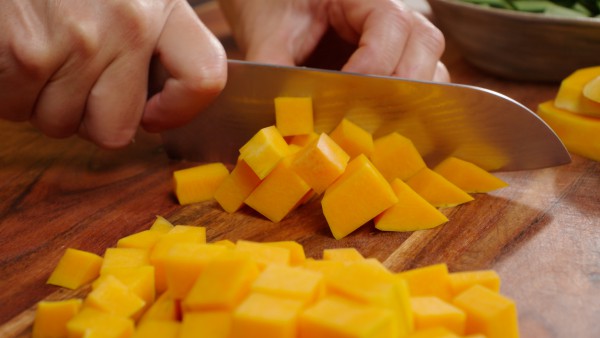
x: 442, y: 119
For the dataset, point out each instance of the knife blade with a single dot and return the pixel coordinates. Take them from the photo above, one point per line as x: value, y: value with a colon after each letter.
x: 442, y: 119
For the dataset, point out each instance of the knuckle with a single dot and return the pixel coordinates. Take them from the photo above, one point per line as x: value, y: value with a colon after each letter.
x: 210, y: 77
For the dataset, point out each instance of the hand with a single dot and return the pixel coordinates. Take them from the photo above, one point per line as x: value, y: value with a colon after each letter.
x: 391, y: 39
x: 75, y: 66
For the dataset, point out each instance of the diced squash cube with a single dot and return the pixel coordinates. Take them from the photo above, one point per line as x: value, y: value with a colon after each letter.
x: 140, y: 280
x: 437, y: 190
x: 185, y: 261
x: 157, y: 329
x: 302, y: 140
x: 460, y: 281
x: 294, y: 115
x: 368, y: 283
x: 211, y: 324
x: 198, y: 184
x: 165, y: 308
x: 431, y: 280
x: 571, y: 96
x: 236, y: 187
x: 119, y: 258
x: 488, y: 312
x: 360, y: 194
x: 91, y: 321
x: 412, y: 212
x: 580, y: 134
x: 140, y: 240
x: 468, y: 176
x: 334, y: 317
x: 352, y: 138
x: 320, y: 163
x: 430, y: 312
x: 436, y: 332
x: 161, y: 224
x: 290, y: 282
x: 222, y: 285
x: 75, y: 268
x: 264, y: 254
x: 395, y: 156
x: 265, y: 316
x: 279, y: 193
x: 51, y: 317
x: 297, y: 255
x: 264, y: 151
x: 158, y: 254
x: 591, y: 90
x: 342, y: 254
x: 112, y: 296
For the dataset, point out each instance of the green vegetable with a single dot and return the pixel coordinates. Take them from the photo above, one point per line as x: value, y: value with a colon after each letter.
x: 565, y: 8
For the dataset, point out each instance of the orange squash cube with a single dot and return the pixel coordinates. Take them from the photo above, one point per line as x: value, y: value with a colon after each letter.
x: 412, y: 212
x: 264, y: 254
x: 430, y: 312
x: 294, y: 115
x: 51, y: 317
x: 437, y: 190
x: 165, y: 308
x: 236, y: 187
x: 265, y: 316
x: 297, y: 255
x: 222, y: 285
x: 157, y: 329
x: 264, y: 151
x: 290, y: 282
x: 342, y: 254
x: 209, y: 324
x: 335, y: 317
x: 488, y: 312
x: 90, y: 321
x: 198, y: 184
x: 356, y: 197
x: 278, y: 193
x: 75, y: 268
x: 352, y: 138
x: 161, y: 224
x: 460, y: 281
x: 467, y: 176
x: 185, y: 262
x: 431, y: 280
x: 112, y: 296
x: 395, y: 156
x: 119, y: 258
x: 320, y: 163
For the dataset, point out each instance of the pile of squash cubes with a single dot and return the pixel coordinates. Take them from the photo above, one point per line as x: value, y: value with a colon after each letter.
x: 574, y: 114
x: 357, y: 178
x: 169, y: 282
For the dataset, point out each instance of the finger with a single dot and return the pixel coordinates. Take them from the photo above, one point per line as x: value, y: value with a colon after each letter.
x: 441, y: 73
x: 196, y: 63
x: 383, y: 34
x: 422, y: 51
x: 116, y: 101
x: 61, y: 103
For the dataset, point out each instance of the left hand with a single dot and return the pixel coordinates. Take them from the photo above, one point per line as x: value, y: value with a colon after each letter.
x: 391, y: 39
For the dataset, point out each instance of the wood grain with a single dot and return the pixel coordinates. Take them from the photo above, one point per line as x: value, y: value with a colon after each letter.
x: 542, y: 233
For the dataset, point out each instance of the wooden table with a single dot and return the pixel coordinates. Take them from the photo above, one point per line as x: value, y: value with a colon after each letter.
x: 542, y: 234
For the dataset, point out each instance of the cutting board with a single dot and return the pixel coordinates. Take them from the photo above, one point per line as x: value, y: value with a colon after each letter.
x: 542, y: 233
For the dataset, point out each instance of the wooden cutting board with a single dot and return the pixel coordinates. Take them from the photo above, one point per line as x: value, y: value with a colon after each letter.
x: 542, y: 233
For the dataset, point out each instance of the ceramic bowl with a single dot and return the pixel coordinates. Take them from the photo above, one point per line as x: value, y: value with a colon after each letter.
x: 517, y: 45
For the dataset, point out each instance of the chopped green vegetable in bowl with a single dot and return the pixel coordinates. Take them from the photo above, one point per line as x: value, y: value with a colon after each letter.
x: 567, y: 8
x: 522, y: 44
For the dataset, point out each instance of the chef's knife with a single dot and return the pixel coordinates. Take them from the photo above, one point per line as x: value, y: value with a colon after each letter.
x: 442, y: 119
